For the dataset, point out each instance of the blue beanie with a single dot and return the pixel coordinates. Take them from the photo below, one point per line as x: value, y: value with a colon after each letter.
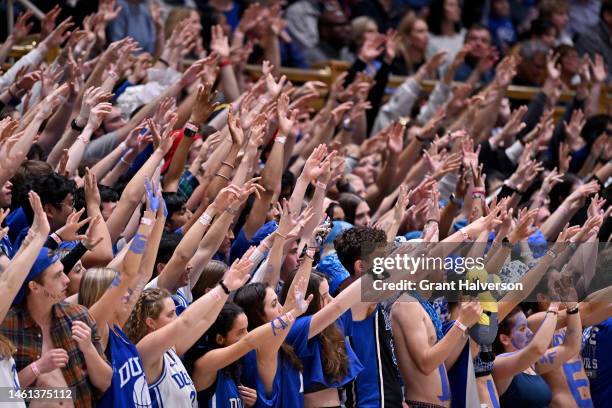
x: 45, y: 259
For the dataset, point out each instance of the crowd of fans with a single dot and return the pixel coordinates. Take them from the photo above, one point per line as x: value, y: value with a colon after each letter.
x: 186, y: 234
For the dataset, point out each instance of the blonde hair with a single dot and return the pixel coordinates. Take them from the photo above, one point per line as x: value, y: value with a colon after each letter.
x: 212, y: 274
x: 177, y: 15
x: 149, y: 304
x: 403, y: 32
x: 93, y: 284
x: 359, y: 27
x: 6, y: 348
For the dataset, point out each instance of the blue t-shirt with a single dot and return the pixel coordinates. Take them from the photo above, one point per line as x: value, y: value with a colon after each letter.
x: 226, y: 394
x: 503, y: 31
x: 288, y: 387
x: 597, y: 360
x: 16, y: 221
x: 128, y: 385
x: 239, y: 246
x: 314, y: 373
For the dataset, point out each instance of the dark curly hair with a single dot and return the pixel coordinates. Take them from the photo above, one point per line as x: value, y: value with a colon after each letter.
x: 350, y: 244
x: 52, y: 189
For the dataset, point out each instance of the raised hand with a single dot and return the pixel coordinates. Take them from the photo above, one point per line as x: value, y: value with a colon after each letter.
x: 430, y: 66
x: 204, y: 105
x: 596, y: 206
x: 431, y: 127
x: 164, y: 141
x: 52, y: 101
x: 286, y: 118
x: 372, y: 47
x: 598, y: 68
x: 98, y: 113
x: 239, y: 273
x: 47, y: 24
x: 59, y: 35
x: 90, y: 241
x: 554, y: 72
x: 524, y: 226
x: 578, y: 197
x: 22, y: 28
x: 391, y: 40
x: 512, y: 127
x: 274, y: 88
x: 40, y: 224
x: 235, y: 128
x: 108, y: 10
x: 26, y: 82
x: 572, y: 130
x: 551, y: 179
x: 395, y: 142
x: 152, y: 198
x: 92, y: 193
x: 70, y: 231
x: 288, y: 220
x: 219, y: 42
x: 226, y: 197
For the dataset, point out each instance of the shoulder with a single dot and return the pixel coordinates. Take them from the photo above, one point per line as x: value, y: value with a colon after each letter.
x: 74, y: 312
x: 404, y: 304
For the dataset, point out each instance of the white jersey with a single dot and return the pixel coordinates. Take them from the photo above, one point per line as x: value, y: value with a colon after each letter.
x: 174, y: 387
x: 9, y: 380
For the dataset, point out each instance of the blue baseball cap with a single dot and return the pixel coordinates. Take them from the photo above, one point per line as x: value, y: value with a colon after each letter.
x: 45, y: 259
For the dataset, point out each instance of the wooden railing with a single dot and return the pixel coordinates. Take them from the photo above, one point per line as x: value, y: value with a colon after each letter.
x: 329, y: 71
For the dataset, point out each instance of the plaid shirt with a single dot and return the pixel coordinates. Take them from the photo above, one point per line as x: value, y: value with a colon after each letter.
x: 26, y: 335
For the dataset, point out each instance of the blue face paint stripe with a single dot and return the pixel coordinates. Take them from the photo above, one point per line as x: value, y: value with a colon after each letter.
x: 492, y: 395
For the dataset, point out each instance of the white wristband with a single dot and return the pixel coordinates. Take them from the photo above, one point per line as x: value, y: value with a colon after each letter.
x: 205, y: 219
x: 281, y: 139
x: 146, y: 221
x: 461, y: 326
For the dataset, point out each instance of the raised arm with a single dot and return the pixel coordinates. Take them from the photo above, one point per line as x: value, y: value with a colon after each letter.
x: 510, y: 364
x: 427, y: 358
x: 130, y: 198
x: 104, y: 310
x: 186, y: 329
x: 18, y: 268
x: 266, y: 338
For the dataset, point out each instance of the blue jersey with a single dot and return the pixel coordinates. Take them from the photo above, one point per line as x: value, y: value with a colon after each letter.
x: 225, y: 395
x: 315, y: 378
x: 379, y: 384
x: 597, y: 360
x: 128, y: 386
x: 288, y: 387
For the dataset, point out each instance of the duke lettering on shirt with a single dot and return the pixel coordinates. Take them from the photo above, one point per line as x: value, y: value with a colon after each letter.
x: 129, y: 370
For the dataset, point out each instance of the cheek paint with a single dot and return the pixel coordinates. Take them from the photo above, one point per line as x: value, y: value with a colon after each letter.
x: 519, y: 338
